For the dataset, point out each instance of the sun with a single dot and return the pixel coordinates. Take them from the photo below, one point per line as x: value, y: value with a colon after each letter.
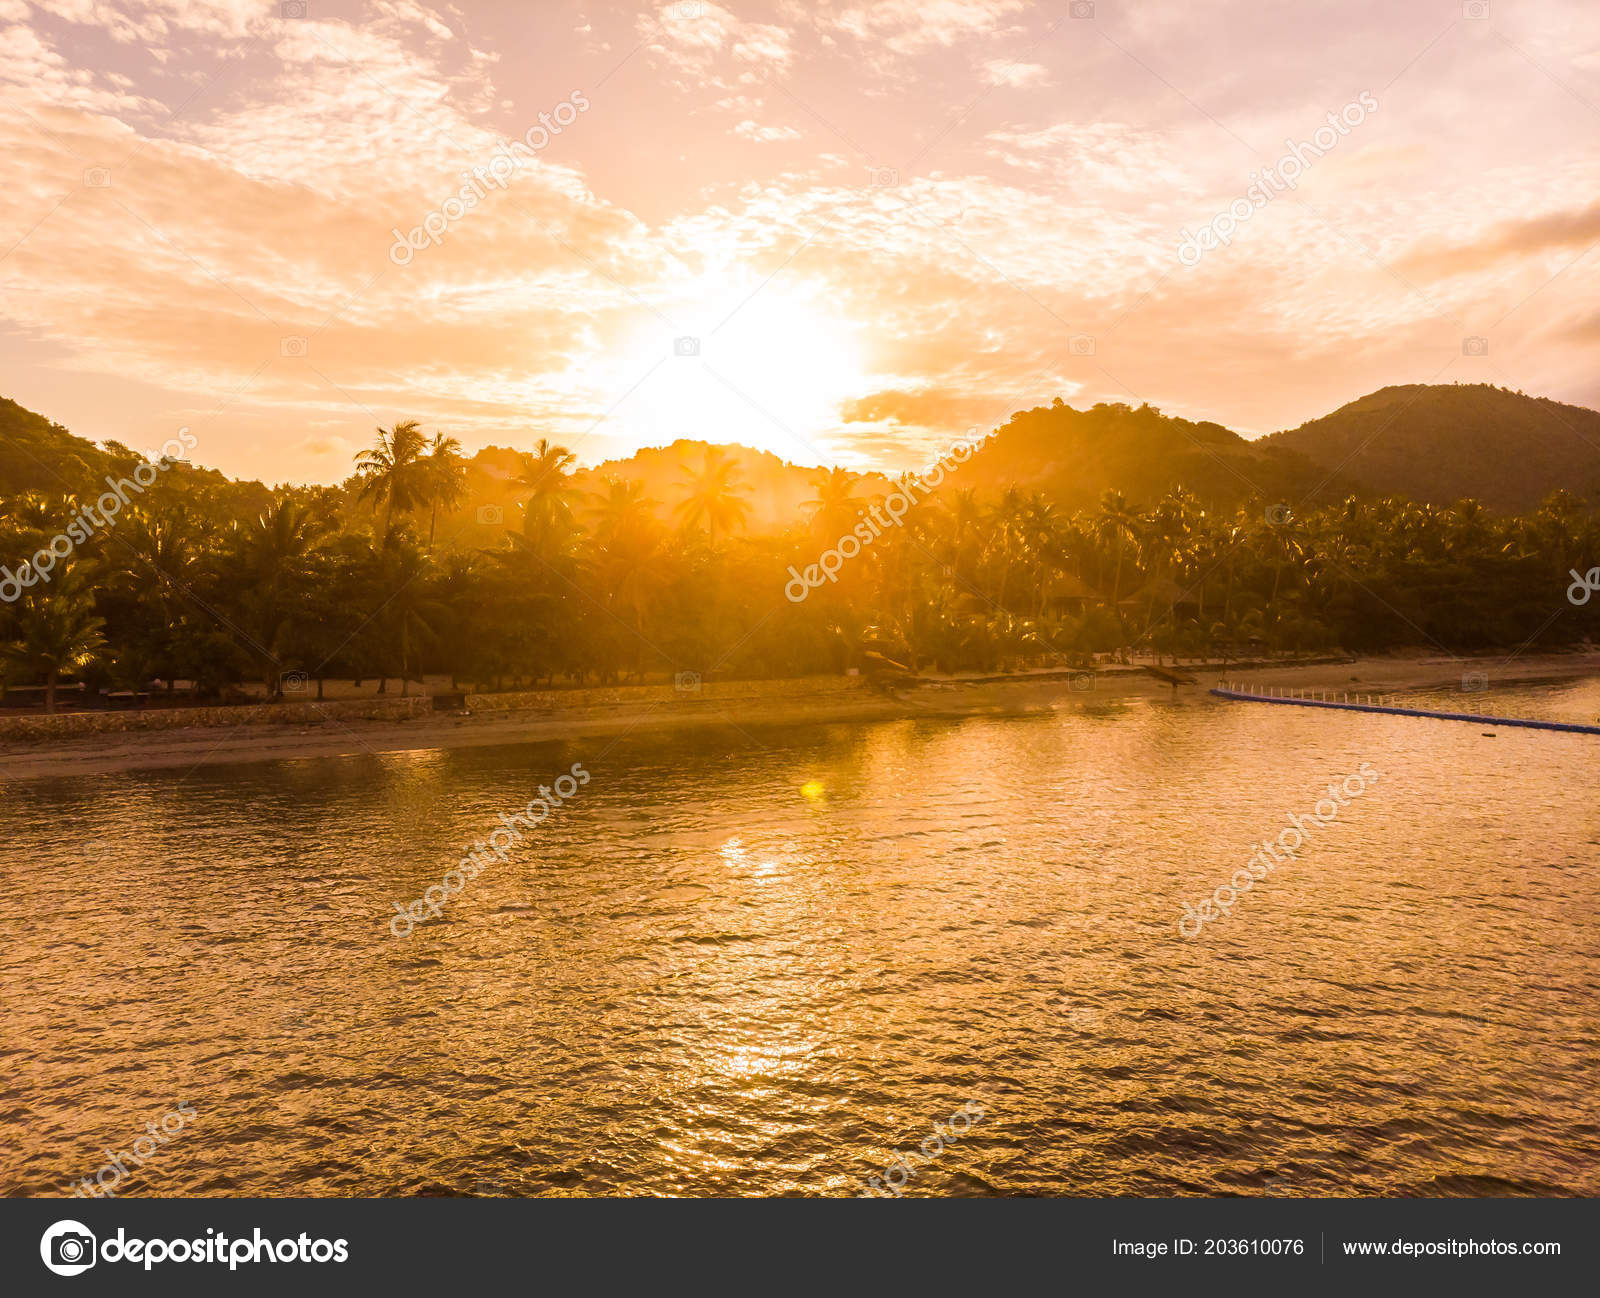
x: 763, y: 365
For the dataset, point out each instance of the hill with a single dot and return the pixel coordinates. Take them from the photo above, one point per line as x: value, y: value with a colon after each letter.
x: 1440, y: 443
x: 1432, y: 443
x: 775, y: 489
x: 1077, y: 455
x: 38, y: 455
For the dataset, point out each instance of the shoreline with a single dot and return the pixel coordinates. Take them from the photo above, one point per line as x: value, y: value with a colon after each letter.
x: 812, y: 702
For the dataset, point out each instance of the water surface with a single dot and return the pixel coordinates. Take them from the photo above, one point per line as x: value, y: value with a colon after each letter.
x: 760, y: 961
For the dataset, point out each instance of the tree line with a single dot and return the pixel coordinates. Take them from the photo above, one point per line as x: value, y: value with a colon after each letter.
x: 217, y: 584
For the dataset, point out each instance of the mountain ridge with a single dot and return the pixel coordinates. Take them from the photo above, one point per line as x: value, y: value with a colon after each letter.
x: 1431, y: 443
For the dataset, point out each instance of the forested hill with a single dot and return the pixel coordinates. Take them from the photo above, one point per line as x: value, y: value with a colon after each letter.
x: 37, y: 455
x: 1441, y: 443
x: 1434, y: 444
x: 1075, y: 456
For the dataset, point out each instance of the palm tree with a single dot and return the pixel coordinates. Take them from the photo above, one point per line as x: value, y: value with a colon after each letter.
x: 411, y: 614
x: 965, y: 534
x: 1173, y: 523
x: 547, y: 513
x: 633, y: 563
x: 714, y: 494
x: 1232, y: 536
x: 1556, y: 523
x: 393, y: 470
x: 273, y: 575
x: 56, y: 632
x: 149, y: 577
x: 1117, y: 524
x: 1044, y: 545
x: 621, y: 509
x: 1284, y: 546
x: 31, y: 511
x: 836, y: 507
x: 446, y: 474
x: 1469, y: 526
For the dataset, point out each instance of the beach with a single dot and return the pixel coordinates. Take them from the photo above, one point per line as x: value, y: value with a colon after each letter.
x: 663, y: 708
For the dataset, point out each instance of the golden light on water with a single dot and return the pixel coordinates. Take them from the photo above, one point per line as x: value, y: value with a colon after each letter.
x: 776, y: 1000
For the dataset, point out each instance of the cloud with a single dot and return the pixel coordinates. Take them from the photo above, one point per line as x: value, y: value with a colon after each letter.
x: 749, y: 130
x: 699, y: 38
x: 152, y: 21
x: 926, y: 408
x: 338, y: 448
x: 911, y: 26
x: 1517, y: 238
x: 1099, y: 155
x: 1000, y: 72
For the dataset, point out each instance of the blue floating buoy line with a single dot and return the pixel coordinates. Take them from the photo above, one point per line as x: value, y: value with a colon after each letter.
x: 1346, y: 702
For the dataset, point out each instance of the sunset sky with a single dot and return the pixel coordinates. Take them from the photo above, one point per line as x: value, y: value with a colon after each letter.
x: 885, y: 223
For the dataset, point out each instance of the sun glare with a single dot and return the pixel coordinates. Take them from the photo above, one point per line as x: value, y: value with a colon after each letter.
x: 768, y: 369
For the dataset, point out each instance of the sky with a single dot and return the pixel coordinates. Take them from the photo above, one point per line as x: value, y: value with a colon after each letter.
x: 843, y: 232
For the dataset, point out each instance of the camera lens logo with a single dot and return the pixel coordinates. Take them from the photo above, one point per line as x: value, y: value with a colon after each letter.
x: 68, y: 1248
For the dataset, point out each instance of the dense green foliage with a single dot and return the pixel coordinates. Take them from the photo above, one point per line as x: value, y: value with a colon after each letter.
x: 217, y: 582
x: 1439, y: 443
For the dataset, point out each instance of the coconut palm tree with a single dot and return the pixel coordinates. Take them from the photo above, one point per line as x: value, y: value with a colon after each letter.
x: 1172, y: 524
x: 547, y: 513
x: 393, y: 470
x: 621, y: 509
x: 411, y: 614
x: 1008, y: 535
x: 272, y: 572
x: 147, y: 583
x: 1046, y: 545
x: 56, y: 632
x: 835, y: 508
x: 963, y: 517
x: 1556, y: 522
x: 632, y: 563
x: 714, y: 494
x: 1117, y: 524
x: 31, y: 511
x: 1284, y: 546
x: 446, y: 478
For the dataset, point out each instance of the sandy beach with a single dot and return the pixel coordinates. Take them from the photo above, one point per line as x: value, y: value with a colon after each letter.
x: 935, y: 696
